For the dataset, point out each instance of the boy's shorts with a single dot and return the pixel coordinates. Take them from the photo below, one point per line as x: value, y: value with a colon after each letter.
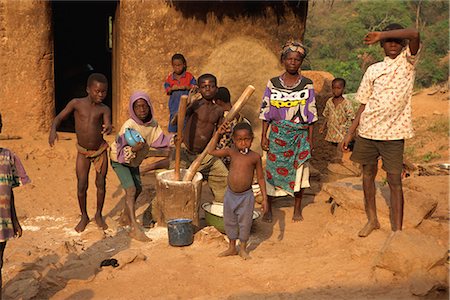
x: 128, y: 176
x: 367, y: 152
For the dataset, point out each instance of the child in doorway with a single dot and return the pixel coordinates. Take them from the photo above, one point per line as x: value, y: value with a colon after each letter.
x: 178, y: 83
x: 338, y: 115
x: 384, y: 119
x: 125, y: 159
x: 224, y: 101
x: 92, y: 120
x: 12, y: 174
x: 203, y: 117
x: 239, y: 200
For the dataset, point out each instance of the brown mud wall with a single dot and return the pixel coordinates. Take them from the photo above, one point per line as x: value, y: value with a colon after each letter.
x: 26, y: 66
x: 240, y: 49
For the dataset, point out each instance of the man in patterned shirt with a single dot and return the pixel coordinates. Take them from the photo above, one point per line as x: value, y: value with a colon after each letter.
x: 384, y: 118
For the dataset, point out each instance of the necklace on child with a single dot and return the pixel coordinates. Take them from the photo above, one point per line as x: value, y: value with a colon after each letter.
x: 244, y: 151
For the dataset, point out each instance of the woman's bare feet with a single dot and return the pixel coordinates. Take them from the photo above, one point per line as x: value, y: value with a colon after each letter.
x: 138, y: 234
x: 370, y: 226
x: 297, y: 217
x: 229, y: 252
x: 267, y: 217
x: 82, y: 224
x: 100, y: 222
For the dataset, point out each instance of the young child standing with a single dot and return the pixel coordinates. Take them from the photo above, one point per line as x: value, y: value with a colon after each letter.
x: 203, y: 117
x: 92, y: 120
x: 384, y: 119
x: 239, y: 200
x: 223, y: 99
x: 12, y: 174
x: 178, y: 83
x: 338, y: 115
x: 125, y: 159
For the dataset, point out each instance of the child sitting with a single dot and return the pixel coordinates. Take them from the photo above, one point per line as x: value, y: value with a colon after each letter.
x: 338, y: 115
x: 239, y: 199
x: 224, y: 101
x: 12, y: 174
x: 178, y: 83
x: 125, y: 160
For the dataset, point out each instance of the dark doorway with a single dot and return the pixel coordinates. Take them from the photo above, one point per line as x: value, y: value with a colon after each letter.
x: 82, y: 33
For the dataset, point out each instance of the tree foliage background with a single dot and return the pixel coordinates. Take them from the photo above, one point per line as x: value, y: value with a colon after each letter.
x: 336, y: 28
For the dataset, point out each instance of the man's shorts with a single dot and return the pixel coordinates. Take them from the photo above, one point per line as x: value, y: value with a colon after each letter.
x: 367, y: 152
x: 128, y: 176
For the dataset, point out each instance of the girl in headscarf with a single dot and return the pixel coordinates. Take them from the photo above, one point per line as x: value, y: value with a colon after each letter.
x: 125, y: 159
x: 289, y: 109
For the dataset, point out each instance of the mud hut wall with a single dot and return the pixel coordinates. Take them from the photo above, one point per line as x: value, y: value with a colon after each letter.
x: 239, y: 51
x: 26, y: 66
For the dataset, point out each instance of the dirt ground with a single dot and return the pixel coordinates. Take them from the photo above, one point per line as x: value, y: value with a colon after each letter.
x: 319, y: 258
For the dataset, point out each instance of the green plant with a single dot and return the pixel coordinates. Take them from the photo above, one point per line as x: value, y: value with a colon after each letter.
x: 430, y: 156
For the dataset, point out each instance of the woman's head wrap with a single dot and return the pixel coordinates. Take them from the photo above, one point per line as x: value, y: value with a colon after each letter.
x: 293, y: 46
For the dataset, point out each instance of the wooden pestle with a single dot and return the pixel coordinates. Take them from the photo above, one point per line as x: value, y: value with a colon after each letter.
x: 230, y: 116
x: 180, y: 124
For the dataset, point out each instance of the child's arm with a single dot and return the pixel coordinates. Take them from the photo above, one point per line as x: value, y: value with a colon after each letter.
x: 262, y: 184
x: 64, y: 114
x: 325, y: 114
x: 408, y: 33
x: 220, y: 152
x: 351, y: 131
x: 16, y: 225
x: 107, y: 126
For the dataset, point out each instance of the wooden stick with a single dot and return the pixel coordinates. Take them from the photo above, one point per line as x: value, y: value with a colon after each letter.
x: 230, y: 116
x: 180, y: 124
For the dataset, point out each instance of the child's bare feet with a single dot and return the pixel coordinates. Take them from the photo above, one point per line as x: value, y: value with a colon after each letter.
x: 81, y: 226
x: 100, y: 222
x: 297, y: 217
x: 229, y: 252
x: 138, y: 234
x: 267, y: 217
x: 244, y: 253
x: 370, y: 226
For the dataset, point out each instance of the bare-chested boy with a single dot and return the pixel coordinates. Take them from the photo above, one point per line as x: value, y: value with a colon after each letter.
x: 239, y: 199
x: 202, y: 118
x: 92, y: 120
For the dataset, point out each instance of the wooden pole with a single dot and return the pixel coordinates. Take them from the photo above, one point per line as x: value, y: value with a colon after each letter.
x: 180, y: 126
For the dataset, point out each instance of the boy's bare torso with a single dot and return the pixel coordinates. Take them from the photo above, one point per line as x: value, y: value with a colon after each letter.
x: 242, y: 169
x: 203, y: 118
x: 89, y: 118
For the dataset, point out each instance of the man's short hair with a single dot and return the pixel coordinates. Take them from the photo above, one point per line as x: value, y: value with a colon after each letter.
x: 96, y: 77
x: 393, y: 26
x: 206, y: 77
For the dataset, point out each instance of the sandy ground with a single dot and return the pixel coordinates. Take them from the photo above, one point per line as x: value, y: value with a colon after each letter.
x: 319, y: 258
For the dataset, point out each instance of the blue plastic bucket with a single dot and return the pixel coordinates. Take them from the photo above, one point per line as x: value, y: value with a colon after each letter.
x: 181, y: 232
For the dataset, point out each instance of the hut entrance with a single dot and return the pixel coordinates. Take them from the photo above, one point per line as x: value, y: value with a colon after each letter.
x: 83, y: 44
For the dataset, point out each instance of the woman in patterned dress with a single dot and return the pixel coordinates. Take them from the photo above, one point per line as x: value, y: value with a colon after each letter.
x: 289, y: 109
